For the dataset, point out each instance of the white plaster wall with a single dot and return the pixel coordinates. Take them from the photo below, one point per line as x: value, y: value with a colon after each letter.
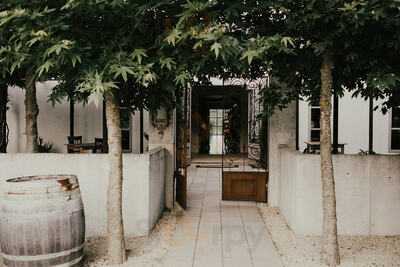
x: 13, y: 118
x: 141, y: 188
x: 166, y: 140
x: 53, y: 121
x: 282, y: 132
x: 353, y: 125
x: 156, y: 186
x: 367, y: 191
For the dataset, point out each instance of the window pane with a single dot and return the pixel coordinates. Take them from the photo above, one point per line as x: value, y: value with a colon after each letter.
x: 396, y: 117
x: 125, y: 119
x: 315, y: 135
x: 213, y: 113
x: 212, y: 131
x: 213, y: 122
x: 126, y: 144
x: 314, y: 102
x: 395, y: 98
x: 216, y: 130
x: 395, y: 140
x: 219, y: 130
x: 315, y: 116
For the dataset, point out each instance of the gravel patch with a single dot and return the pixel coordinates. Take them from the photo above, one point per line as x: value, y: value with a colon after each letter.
x: 142, y: 251
x: 355, y: 251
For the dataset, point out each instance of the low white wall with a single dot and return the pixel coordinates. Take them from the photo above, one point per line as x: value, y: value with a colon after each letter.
x: 282, y: 132
x: 367, y: 191
x: 156, y: 186
x: 143, y: 184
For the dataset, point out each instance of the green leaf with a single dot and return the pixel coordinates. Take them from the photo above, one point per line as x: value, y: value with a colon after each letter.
x: 75, y: 59
x: 168, y: 63
x: 198, y: 45
x: 182, y: 79
x: 173, y: 37
x: 286, y: 41
x: 250, y: 55
x: 70, y: 4
x: 216, y: 47
x: 121, y: 71
x: 138, y: 55
x: 57, y: 48
x: 15, y: 66
x: 45, y: 68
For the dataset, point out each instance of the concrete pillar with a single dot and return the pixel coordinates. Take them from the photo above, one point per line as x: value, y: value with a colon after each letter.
x: 167, y: 140
x: 282, y: 132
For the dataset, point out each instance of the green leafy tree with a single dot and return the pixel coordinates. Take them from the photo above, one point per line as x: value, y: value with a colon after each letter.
x: 330, y: 56
x: 313, y: 49
x: 27, y: 52
x: 127, y: 65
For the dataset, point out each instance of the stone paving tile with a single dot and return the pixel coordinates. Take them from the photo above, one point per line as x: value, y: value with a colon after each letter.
x: 217, y: 233
x: 173, y: 262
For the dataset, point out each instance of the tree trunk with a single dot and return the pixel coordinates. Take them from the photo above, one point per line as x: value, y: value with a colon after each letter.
x: 116, y: 242
x: 330, y: 248
x: 3, y: 118
x: 31, y: 115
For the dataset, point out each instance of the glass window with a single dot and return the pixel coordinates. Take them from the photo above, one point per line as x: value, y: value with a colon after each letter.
x: 396, y: 139
x: 315, y: 135
x: 395, y: 116
x: 213, y: 113
x: 125, y: 119
x: 126, y: 142
x: 395, y: 131
x: 126, y: 129
x: 315, y: 123
x: 315, y: 117
x: 216, y: 130
x: 213, y: 122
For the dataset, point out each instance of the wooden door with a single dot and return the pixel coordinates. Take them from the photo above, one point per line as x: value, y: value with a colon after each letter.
x: 244, y: 186
x: 181, y: 190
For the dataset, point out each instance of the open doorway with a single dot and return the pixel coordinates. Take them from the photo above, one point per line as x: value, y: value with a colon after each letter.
x: 219, y: 121
x: 224, y: 135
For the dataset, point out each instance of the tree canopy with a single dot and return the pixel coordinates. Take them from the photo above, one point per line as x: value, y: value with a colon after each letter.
x: 146, y: 52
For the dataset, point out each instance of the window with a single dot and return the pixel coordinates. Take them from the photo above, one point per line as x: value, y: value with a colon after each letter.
x: 126, y: 129
x: 395, y: 125
x: 315, y: 128
x: 216, y: 121
x: 216, y: 130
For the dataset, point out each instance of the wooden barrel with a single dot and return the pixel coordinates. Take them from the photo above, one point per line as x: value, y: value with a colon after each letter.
x: 42, y: 221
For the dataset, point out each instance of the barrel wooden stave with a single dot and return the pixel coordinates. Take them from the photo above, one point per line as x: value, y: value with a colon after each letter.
x: 42, y: 226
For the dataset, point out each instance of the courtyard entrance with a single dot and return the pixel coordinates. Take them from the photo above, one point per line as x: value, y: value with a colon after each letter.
x: 222, y: 131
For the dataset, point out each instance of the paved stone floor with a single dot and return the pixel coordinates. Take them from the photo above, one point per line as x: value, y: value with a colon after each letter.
x: 219, y: 233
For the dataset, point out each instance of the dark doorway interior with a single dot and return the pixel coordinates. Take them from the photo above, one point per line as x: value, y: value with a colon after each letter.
x: 219, y: 120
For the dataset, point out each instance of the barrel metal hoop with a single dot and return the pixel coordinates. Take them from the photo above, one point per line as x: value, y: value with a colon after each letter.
x: 43, y: 257
x: 71, y: 263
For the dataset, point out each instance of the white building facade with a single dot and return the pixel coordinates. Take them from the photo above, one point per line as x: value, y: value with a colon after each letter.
x: 353, y: 127
x: 54, y: 121
x: 368, y: 186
